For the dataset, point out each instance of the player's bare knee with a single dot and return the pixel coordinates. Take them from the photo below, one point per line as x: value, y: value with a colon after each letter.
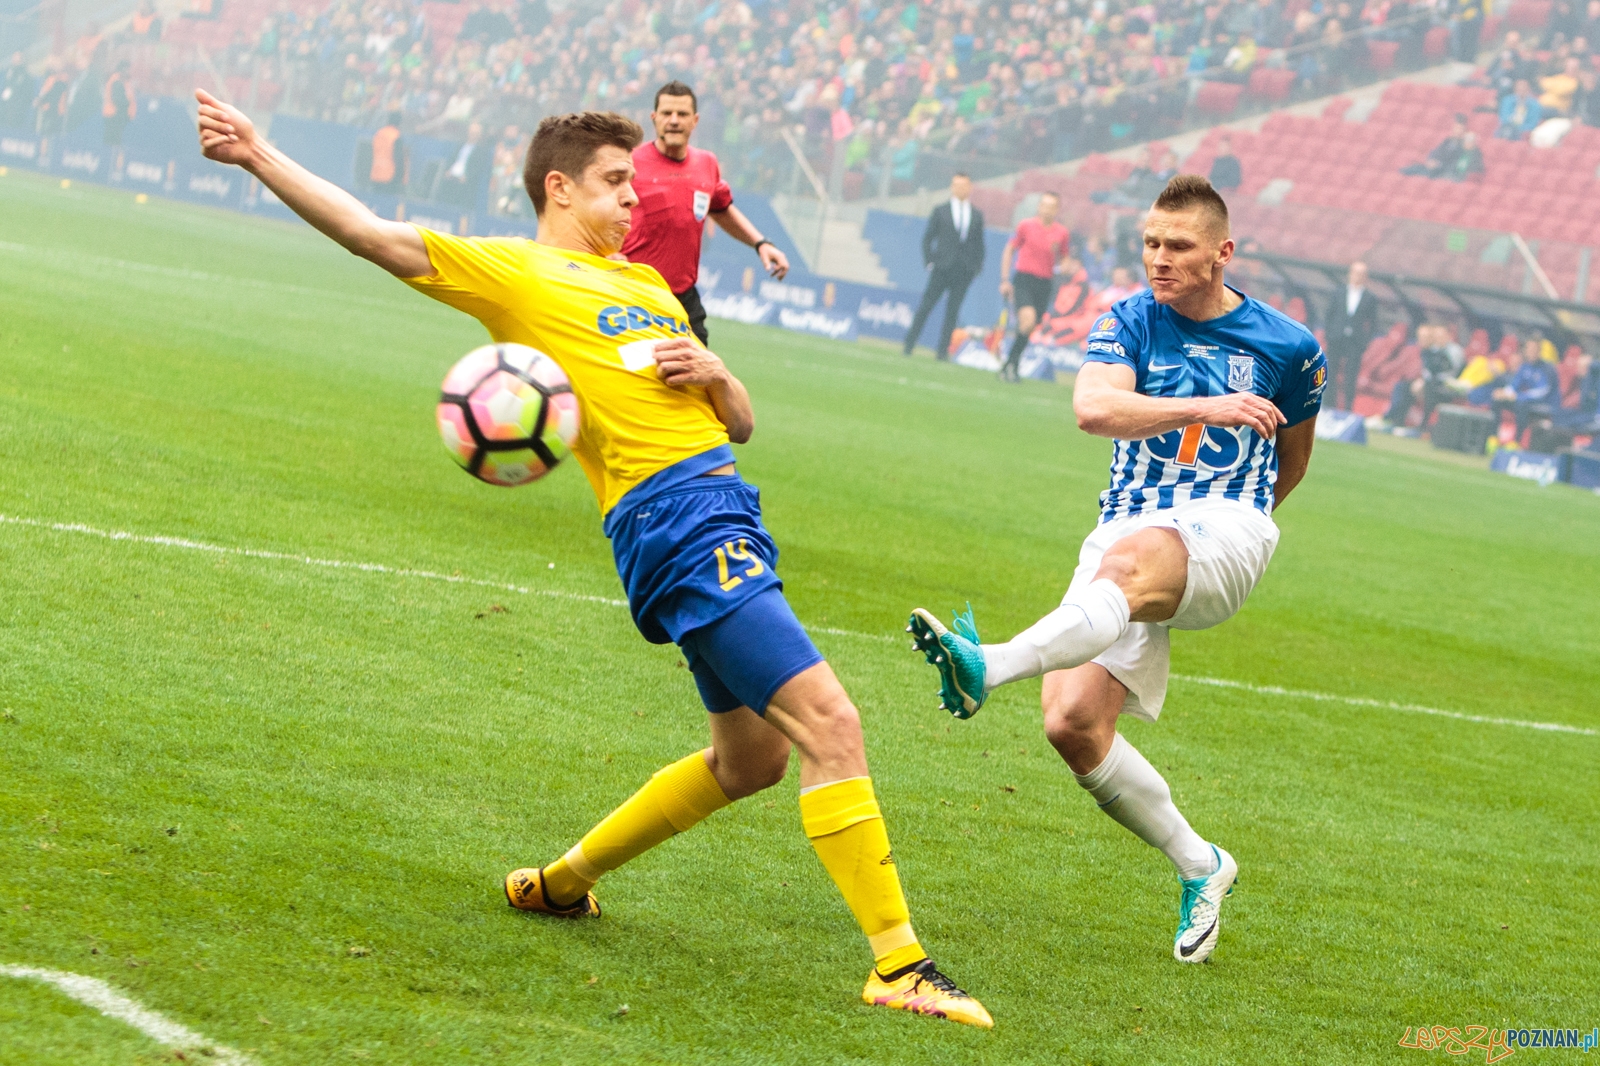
x: 756, y: 775
x: 1069, y: 728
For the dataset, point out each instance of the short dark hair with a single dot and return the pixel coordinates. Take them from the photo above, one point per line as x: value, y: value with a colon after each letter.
x: 1187, y: 191
x: 567, y: 145
x: 1053, y: 195
x: 676, y: 88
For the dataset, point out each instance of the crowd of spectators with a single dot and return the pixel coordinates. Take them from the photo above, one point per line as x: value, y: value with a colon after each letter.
x: 879, y: 94
x: 1541, y: 398
x: 1543, y: 85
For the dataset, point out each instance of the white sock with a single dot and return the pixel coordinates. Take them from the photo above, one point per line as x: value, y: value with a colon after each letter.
x: 1134, y: 793
x: 1068, y: 636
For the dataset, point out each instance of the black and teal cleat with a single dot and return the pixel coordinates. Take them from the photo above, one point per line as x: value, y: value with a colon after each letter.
x: 957, y: 654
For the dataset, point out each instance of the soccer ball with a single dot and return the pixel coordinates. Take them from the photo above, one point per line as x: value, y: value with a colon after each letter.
x: 507, y: 414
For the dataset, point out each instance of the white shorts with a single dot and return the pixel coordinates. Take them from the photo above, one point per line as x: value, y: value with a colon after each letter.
x: 1230, y: 544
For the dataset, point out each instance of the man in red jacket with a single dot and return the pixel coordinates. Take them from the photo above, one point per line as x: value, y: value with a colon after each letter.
x: 678, y: 187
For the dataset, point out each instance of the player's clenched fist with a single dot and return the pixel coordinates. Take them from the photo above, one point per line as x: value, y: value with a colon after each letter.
x: 681, y: 361
x: 1242, y: 409
x: 226, y: 134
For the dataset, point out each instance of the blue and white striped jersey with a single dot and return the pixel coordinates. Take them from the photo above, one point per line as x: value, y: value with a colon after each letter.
x: 1252, y: 348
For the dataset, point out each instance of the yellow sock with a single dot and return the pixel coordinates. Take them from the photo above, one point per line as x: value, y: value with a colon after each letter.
x: 677, y: 797
x: 845, y: 826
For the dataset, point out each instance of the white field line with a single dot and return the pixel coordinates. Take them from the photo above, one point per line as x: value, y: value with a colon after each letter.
x: 93, y: 992
x: 1385, y: 705
x: 306, y: 560
x: 185, y: 274
x: 458, y: 579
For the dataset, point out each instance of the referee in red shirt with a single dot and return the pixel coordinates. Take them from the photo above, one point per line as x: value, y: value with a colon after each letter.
x: 1042, y: 247
x: 678, y: 187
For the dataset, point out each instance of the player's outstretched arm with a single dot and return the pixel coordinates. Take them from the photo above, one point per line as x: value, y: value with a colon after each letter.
x: 1107, y: 405
x: 228, y: 136
x: 681, y: 362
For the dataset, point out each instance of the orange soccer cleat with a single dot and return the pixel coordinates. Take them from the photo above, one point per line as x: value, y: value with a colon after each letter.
x: 525, y: 891
x: 922, y: 989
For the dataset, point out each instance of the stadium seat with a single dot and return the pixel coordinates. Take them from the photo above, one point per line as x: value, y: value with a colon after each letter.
x: 1380, y: 55
x: 1436, y: 43
x: 1217, y: 98
x: 1528, y: 15
x: 1274, y: 85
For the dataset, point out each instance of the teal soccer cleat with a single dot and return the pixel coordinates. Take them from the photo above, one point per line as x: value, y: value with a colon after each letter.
x: 1200, y: 910
x: 956, y: 655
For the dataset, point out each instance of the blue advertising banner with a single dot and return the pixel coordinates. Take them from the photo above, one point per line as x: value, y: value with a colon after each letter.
x: 1530, y: 466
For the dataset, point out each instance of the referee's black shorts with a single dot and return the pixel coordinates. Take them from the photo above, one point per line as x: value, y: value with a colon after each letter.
x: 1031, y: 290
x: 690, y: 299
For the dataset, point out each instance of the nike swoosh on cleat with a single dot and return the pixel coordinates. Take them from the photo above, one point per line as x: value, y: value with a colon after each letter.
x: 1192, y: 948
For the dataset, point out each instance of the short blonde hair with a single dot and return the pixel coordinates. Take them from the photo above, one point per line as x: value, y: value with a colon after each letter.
x: 1187, y: 192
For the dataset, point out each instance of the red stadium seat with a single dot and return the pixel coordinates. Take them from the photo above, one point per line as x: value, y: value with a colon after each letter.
x: 1528, y: 15
x: 1218, y: 98
x: 1436, y: 43
x: 1380, y: 54
x: 1271, y: 84
x: 997, y: 205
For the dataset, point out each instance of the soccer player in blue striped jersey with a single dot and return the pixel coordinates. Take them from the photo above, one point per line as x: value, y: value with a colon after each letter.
x: 1211, y: 400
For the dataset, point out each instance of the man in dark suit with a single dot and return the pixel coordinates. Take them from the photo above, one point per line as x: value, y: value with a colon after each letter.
x: 466, y: 174
x: 1351, y: 321
x: 952, y: 251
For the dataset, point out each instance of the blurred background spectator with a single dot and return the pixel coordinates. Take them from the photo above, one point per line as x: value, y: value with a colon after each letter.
x: 1226, y: 174
x: 1441, y: 360
x: 1352, y: 320
x: 880, y: 96
x: 1520, y: 113
x: 1442, y: 159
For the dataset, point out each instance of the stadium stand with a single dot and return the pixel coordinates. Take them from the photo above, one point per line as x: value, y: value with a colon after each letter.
x: 902, y: 93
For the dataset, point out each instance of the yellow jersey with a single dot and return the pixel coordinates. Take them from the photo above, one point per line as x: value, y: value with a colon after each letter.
x: 599, y: 319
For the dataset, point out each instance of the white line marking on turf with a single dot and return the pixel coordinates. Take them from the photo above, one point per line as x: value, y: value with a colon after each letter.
x: 1385, y: 705
x: 307, y: 560
x: 458, y: 579
x: 185, y: 274
x: 93, y: 992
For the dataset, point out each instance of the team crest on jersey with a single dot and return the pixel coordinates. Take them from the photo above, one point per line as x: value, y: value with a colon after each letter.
x: 1241, y: 373
x: 1107, y: 324
x: 702, y: 204
x: 1319, y: 378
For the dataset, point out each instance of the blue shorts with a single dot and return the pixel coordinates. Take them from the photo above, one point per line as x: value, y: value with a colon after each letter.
x: 691, y: 552
x: 744, y: 658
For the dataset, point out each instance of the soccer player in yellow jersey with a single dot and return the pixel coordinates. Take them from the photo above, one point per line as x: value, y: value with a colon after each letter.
x: 659, y: 413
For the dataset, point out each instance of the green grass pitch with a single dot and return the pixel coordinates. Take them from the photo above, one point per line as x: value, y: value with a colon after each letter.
x: 274, y: 800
